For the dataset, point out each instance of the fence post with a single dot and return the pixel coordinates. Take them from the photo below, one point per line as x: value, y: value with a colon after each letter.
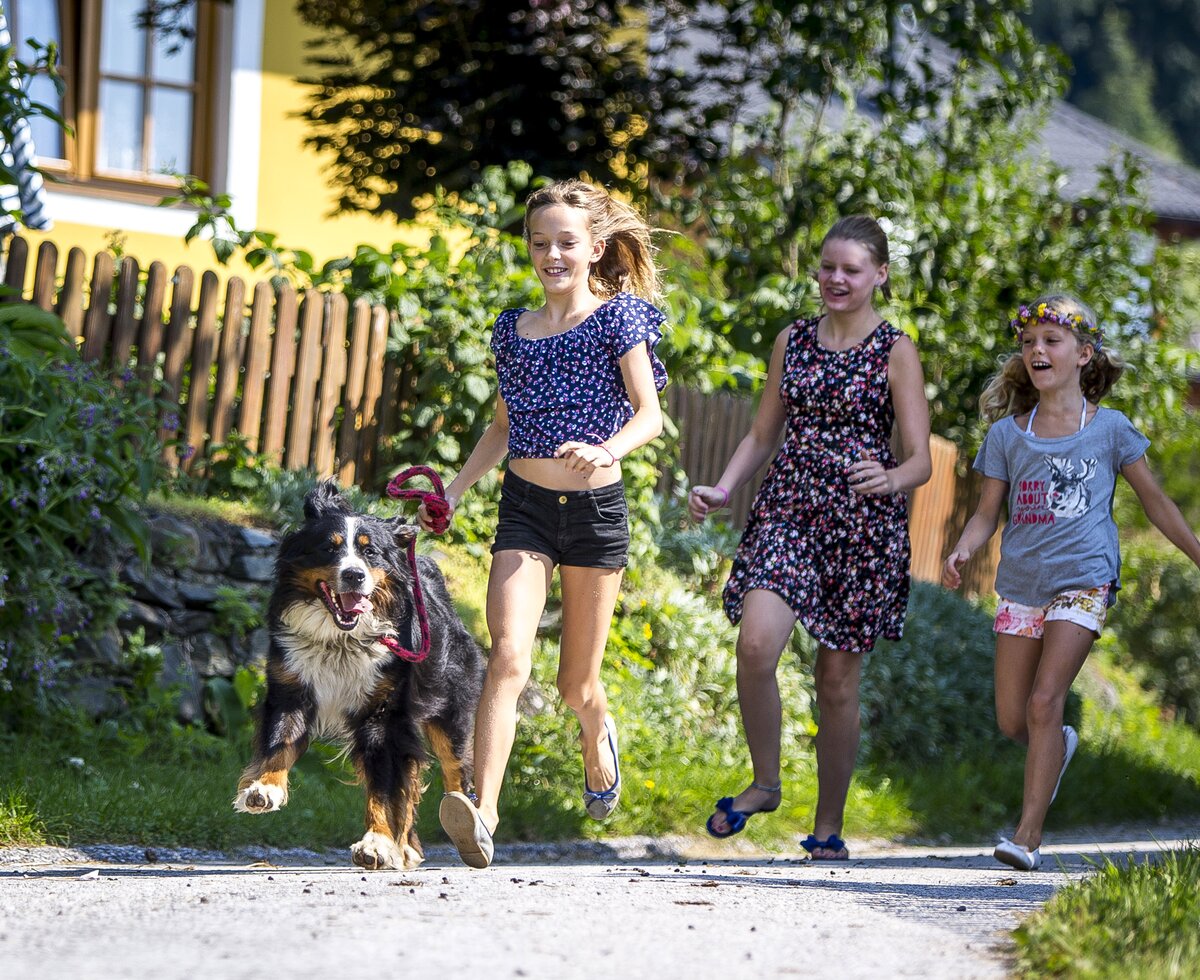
x: 70, y: 297
x: 352, y: 400
x: 229, y: 361
x: 14, y: 266
x: 44, y: 276
x: 178, y: 346
x: 332, y: 378
x: 283, y: 363
x: 258, y: 350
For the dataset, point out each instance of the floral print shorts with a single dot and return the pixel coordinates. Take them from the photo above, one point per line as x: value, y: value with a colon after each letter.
x: 1084, y: 607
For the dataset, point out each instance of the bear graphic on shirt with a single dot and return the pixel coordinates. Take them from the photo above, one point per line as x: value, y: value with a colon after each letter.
x: 1067, y: 492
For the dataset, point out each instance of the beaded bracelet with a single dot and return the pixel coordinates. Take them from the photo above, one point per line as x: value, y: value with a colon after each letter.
x: 611, y: 455
x: 724, y: 495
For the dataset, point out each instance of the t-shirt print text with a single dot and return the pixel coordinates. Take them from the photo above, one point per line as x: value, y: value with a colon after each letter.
x: 1065, y: 494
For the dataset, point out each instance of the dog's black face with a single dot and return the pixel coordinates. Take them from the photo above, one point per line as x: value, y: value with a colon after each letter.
x: 348, y: 563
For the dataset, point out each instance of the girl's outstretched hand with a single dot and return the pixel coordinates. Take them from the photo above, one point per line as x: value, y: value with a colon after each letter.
x: 703, y: 499
x: 951, y: 576
x: 583, y: 457
x: 426, y: 522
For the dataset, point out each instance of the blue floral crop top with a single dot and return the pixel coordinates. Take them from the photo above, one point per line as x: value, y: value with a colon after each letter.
x: 569, y: 386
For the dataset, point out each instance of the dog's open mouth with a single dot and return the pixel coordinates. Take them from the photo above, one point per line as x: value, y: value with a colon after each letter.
x: 345, y: 607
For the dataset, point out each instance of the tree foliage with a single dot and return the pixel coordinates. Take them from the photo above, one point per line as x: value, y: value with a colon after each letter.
x: 409, y: 95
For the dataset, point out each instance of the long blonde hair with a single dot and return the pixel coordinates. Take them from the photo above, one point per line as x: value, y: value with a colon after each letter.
x: 627, y: 264
x: 1010, y: 391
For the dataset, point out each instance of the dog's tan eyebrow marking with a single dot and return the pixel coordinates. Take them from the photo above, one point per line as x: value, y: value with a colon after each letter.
x: 311, y: 578
x: 336, y: 539
x: 364, y: 540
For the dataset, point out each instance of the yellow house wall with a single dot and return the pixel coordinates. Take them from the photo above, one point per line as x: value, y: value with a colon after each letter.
x: 295, y: 199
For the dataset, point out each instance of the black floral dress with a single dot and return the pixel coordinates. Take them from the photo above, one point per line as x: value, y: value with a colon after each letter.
x: 840, y: 561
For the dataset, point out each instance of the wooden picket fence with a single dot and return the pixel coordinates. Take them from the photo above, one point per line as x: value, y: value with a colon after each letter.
x: 302, y: 377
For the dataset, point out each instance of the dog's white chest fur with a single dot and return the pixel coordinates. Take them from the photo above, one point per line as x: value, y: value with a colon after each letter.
x: 339, y: 667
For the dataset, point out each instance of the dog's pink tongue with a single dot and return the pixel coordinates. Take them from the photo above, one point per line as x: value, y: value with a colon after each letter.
x: 354, y: 602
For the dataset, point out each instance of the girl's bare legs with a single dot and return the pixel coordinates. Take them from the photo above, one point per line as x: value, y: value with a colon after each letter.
x: 589, y: 597
x: 767, y: 624
x: 517, y: 588
x: 839, y: 724
x: 1016, y: 667
x: 1065, y: 646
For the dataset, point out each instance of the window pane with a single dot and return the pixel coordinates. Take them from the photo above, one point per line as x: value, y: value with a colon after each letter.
x: 33, y: 18
x: 174, y: 56
x: 119, y: 140
x: 47, y: 135
x: 122, y: 44
x: 172, y: 131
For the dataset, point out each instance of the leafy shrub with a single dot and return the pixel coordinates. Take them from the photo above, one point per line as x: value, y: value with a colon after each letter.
x: 930, y: 694
x: 1155, y: 621
x: 77, y: 452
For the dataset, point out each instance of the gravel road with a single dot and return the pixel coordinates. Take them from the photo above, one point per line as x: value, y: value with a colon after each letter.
x: 627, y: 907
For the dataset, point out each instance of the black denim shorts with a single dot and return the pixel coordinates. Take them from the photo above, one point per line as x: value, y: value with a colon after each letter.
x: 586, y: 528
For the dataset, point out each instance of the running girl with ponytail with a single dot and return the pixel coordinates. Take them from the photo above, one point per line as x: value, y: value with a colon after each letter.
x: 1052, y: 456
x: 578, y: 390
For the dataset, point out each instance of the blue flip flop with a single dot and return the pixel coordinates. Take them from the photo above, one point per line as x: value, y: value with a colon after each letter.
x: 831, y: 843
x: 736, y: 819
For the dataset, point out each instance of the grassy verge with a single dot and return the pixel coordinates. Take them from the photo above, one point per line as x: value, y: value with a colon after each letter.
x: 1133, y: 922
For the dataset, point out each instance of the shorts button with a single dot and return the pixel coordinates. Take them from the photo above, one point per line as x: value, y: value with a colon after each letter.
x: 562, y: 500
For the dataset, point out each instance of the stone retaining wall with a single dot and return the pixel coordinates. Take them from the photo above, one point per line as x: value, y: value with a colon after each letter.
x: 177, y: 605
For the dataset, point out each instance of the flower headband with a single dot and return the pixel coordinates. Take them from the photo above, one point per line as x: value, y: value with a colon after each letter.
x: 1045, y: 313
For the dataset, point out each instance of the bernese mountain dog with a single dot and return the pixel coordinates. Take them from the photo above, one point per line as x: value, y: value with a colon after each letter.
x: 341, y: 615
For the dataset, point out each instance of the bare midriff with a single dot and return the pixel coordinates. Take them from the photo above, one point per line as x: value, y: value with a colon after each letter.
x: 554, y: 475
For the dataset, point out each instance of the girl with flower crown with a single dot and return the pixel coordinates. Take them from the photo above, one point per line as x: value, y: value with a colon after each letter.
x: 1053, y: 456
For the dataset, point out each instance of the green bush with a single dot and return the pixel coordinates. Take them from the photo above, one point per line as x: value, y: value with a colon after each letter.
x: 930, y: 694
x: 1155, y: 621
x: 77, y: 452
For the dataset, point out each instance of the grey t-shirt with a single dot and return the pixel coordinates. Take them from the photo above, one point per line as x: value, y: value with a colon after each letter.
x: 1060, y: 533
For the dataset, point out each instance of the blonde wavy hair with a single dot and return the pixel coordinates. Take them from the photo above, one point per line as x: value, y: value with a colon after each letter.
x: 627, y: 264
x: 1010, y: 391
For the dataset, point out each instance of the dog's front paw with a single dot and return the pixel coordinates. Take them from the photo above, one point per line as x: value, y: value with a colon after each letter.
x: 375, y: 852
x: 260, y: 797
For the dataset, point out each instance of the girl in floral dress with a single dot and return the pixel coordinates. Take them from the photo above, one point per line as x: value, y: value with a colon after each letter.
x: 827, y: 540
x: 1052, y: 455
x: 579, y: 383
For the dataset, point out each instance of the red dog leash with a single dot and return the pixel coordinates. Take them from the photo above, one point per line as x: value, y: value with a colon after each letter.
x: 438, y: 509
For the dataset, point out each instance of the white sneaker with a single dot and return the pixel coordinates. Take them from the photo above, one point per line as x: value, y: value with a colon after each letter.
x: 1070, y: 744
x: 1015, y: 856
x: 466, y: 830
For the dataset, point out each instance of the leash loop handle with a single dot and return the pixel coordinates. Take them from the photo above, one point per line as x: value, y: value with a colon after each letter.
x: 438, y: 510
